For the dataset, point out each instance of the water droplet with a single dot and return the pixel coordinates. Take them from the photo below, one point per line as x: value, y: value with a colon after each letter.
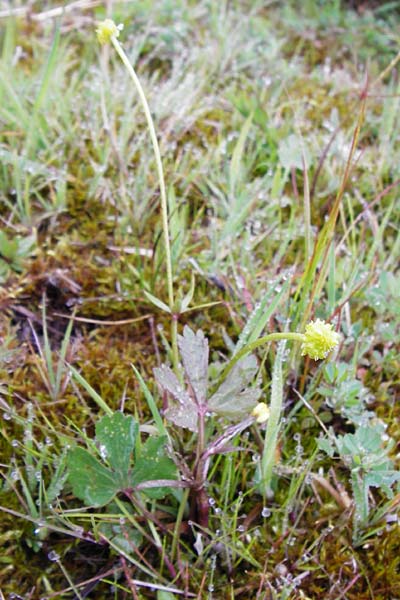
x: 6, y: 416
x: 103, y: 452
x: 53, y: 556
x: 265, y: 512
x: 15, y: 443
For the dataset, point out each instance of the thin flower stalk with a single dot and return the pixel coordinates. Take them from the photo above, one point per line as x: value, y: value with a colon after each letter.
x: 317, y: 341
x: 107, y: 31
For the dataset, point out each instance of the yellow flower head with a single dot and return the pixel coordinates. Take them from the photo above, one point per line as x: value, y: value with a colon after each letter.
x: 260, y: 412
x: 319, y: 339
x: 106, y: 30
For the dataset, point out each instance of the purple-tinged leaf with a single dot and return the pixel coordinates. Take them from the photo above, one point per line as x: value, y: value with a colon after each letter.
x: 233, y: 398
x: 193, y: 348
x: 182, y: 411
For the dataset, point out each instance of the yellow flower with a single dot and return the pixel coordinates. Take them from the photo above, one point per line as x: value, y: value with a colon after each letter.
x: 319, y: 339
x: 106, y: 30
x: 260, y: 412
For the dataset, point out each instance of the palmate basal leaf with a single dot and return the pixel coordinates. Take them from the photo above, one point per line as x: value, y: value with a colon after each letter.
x: 152, y: 465
x: 91, y: 481
x: 97, y: 484
x: 116, y: 435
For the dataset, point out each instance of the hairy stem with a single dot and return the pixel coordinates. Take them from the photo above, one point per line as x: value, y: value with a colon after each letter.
x: 274, y: 421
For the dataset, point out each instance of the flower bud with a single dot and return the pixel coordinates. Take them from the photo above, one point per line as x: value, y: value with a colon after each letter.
x: 106, y: 30
x: 260, y: 412
x: 319, y: 339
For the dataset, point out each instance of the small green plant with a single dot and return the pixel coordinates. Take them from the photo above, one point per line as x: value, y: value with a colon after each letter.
x: 14, y: 252
x: 366, y: 454
x: 232, y: 397
x: 383, y: 297
x: 54, y: 373
x: 192, y: 408
x: 40, y: 475
x: 133, y: 468
x: 345, y: 394
x: 126, y: 465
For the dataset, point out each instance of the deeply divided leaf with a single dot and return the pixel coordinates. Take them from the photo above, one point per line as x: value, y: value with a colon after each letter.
x: 182, y: 410
x: 193, y: 348
x: 233, y: 398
